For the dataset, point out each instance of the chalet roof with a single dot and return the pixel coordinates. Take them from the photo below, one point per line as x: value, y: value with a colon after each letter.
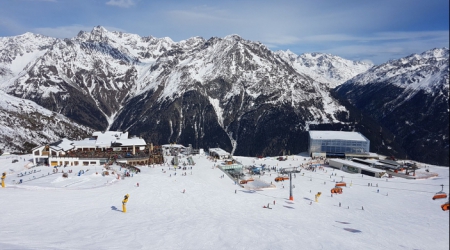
x: 62, y: 145
x: 99, y: 139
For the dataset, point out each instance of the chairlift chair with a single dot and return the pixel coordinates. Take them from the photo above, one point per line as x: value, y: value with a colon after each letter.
x: 341, y: 183
x: 441, y: 194
x: 445, y: 206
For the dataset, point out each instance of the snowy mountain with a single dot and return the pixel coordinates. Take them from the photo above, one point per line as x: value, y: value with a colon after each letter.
x: 325, y: 68
x: 410, y: 97
x: 227, y: 92
x: 24, y: 125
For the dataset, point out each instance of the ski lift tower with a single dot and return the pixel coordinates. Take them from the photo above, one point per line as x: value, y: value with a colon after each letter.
x: 289, y: 172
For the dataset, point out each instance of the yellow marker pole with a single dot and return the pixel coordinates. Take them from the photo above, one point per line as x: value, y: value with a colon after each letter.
x: 317, y: 196
x: 3, y: 179
x: 124, y: 203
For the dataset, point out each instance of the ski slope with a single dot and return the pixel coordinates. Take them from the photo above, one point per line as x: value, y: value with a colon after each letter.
x: 85, y: 212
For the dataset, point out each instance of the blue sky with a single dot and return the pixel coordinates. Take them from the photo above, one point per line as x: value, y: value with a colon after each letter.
x: 376, y: 30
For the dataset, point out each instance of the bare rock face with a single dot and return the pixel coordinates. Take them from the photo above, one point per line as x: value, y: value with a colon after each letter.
x: 408, y: 96
x: 25, y: 125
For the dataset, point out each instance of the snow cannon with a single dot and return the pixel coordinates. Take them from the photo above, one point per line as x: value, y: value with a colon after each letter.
x: 124, y: 203
x: 3, y: 179
x: 439, y: 195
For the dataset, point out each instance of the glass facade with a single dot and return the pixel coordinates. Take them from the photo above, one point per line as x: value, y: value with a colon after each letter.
x: 338, y: 146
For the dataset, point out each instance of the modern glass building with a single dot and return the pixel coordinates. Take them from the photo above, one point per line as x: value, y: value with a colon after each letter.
x: 337, y: 142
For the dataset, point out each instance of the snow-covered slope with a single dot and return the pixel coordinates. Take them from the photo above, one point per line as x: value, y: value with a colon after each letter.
x: 326, y: 68
x: 24, y: 125
x: 85, y: 212
x: 410, y: 97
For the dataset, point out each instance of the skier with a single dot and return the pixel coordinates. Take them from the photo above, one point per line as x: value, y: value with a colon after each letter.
x: 137, y: 184
x: 274, y: 202
x: 184, y: 191
x: 339, y: 204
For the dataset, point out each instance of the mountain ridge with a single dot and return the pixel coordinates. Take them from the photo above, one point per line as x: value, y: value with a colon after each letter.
x: 225, y: 92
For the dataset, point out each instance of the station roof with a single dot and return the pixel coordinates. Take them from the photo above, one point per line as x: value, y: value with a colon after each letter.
x: 358, y: 165
x: 219, y: 151
x: 337, y: 135
x: 173, y: 146
x: 389, y: 162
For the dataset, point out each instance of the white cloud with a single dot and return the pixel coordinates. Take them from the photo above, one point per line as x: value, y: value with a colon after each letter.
x: 121, y: 3
x: 390, y: 45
